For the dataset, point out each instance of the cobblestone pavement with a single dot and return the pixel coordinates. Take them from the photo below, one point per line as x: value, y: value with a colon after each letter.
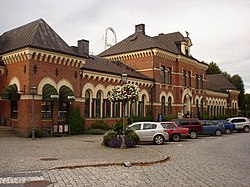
x: 206, y: 161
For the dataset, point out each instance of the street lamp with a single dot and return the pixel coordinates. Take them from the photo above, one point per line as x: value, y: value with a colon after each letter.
x: 124, y: 80
x: 33, y: 91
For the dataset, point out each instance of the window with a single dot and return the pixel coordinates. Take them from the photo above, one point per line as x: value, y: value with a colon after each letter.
x: 136, y: 127
x: 197, y: 108
x: 106, y: 108
x: 98, y: 104
x: 141, y: 106
x: 194, y: 122
x: 201, y: 82
x: 169, y: 75
x: 133, y: 111
x: 63, y: 109
x: 184, y: 122
x: 184, y: 78
x: 14, y: 109
x: 197, y: 81
x: 147, y: 126
x: 169, y: 106
x: 87, y: 104
x: 47, y: 109
x: 163, y: 105
x: 189, y: 79
x: 163, y: 74
x: 116, y: 109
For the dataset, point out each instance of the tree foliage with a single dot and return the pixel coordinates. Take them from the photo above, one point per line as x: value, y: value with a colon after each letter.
x: 75, y: 121
x: 213, y: 68
x: 237, y: 81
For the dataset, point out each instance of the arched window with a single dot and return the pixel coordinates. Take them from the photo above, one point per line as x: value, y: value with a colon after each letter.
x: 106, y: 108
x: 163, y: 110
x: 97, y: 105
x: 87, y: 104
x: 202, y: 109
x: 197, y: 108
x: 142, y: 106
x: 169, y: 105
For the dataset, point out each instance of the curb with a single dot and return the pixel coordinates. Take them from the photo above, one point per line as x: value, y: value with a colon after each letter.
x: 165, y: 159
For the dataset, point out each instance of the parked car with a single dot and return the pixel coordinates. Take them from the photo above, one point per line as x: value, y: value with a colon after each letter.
x: 241, y: 123
x: 175, y: 132
x: 193, y: 124
x: 229, y: 127
x: 150, y: 132
x: 212, y: 128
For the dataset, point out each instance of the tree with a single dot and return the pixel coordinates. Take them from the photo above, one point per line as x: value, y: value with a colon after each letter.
x: 237, y: 81
x: 213, y: 68
x: 227, y: 75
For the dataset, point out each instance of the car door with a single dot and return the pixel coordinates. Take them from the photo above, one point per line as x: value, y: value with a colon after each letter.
x: 138, y: 130
x: 148, y: 131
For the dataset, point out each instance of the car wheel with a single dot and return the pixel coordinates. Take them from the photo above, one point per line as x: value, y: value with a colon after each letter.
x: 193, y: 134
x: 176, y: 137
x: 228, y: 131
x: 159, y: 139
x: 217, y: 133
x: 246, y: 129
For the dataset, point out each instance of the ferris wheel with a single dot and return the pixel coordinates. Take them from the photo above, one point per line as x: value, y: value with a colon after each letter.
x: 110, y: 41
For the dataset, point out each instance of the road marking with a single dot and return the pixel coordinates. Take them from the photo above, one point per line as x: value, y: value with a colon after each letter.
x: 19, y: 180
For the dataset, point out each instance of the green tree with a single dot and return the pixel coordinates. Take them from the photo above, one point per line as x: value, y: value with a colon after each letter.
x: 213, y: 68
x: 237, y: 81
x: 227, y: 75
x: 75, y: 121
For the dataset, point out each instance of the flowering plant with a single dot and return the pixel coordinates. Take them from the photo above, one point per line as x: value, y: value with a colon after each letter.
x: 126, y: 92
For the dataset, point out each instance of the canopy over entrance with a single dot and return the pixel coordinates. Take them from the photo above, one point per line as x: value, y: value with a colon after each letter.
x: 66, y: 94
x: 50, y: 93
x: 10, y: 93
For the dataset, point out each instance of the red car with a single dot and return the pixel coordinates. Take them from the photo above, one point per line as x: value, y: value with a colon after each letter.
x: 175, y: 132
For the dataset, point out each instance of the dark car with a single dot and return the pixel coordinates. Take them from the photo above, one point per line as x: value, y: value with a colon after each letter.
x: 193, y: 124
x: 212, y: 128
x: 229, y: 127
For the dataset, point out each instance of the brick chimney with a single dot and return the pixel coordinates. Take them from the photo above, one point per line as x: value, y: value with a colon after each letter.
x: 140, y: 28
x: 83, y: 47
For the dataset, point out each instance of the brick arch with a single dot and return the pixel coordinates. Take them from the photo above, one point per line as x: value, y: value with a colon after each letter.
x: 185, y: 92
x: 163, y: 94
x: 99, y: 87
x: 144, y: 92
x: 108, y: 88
x: 66, y: 83
x: 15, y: 80
x: 45, y: 80
x: 170, y: 95
x: 88, y: 86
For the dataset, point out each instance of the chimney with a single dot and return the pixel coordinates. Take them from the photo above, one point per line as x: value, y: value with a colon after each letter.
x: 83, y: 47
x: 140, y: 28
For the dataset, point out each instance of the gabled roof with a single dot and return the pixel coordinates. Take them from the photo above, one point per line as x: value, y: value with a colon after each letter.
x: 98, y: 64
x: 218, y: 82
x: 37, y: 34
x: 139, y: 41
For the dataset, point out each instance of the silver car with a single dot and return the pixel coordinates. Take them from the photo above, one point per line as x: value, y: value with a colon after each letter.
x: 150, y: 132
x: 241, y: 123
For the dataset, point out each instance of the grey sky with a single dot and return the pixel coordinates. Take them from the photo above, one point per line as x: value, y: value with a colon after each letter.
x: 219, y: 29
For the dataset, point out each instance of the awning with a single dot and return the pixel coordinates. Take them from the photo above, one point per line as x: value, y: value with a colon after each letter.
x: 66, y: 94
x: 10, y: 93
x: 50, y: 93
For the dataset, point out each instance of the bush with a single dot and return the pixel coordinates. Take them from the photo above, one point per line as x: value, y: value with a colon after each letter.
x: 169, y: 117
x: 75, y: 121
x: 95, y: 131
x: 38, y: 133
x: 117, y: 127
x: 113, y: 139
x: 140, y: 118
x: 100, y: 124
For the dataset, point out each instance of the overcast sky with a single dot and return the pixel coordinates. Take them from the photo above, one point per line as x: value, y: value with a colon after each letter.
x: 219, y: 29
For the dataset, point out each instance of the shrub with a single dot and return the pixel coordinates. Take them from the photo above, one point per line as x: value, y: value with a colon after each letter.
x: 117, y: 127
x: 100, y: 124
x: 38, y: 133
x: 140, y: 118
x: 75, y: 121
x: 169, y: 117
x: 95, y: 131
x: 113, y: 139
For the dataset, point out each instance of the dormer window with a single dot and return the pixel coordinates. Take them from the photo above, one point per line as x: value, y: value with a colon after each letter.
x: 186, y: 43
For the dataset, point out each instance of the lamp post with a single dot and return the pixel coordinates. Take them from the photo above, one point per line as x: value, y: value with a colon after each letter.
x: 33, y: 91
x: 124, y: 80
